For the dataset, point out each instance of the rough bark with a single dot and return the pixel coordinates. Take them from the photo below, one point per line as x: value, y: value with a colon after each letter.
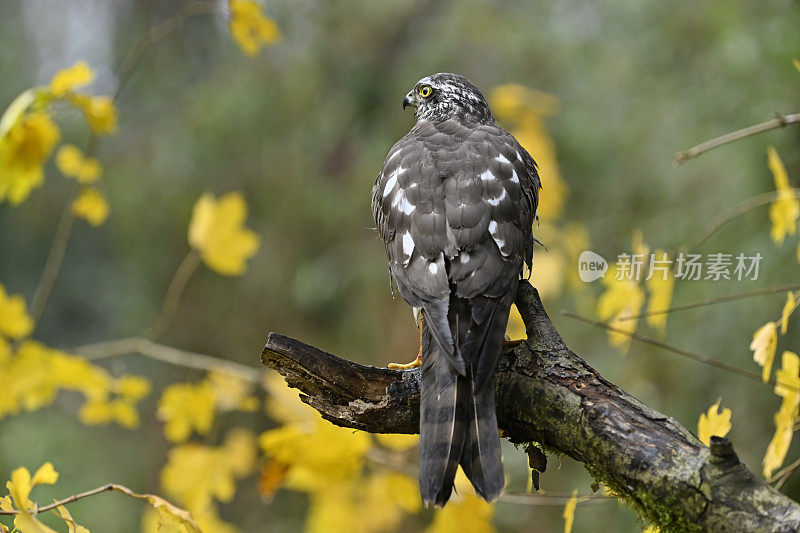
x: 547, y: 394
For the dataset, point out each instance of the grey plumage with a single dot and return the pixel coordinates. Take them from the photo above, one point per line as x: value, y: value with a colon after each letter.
x: 455, y: 204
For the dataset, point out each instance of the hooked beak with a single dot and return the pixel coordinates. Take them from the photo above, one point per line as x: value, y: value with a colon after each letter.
x: 409, y: 100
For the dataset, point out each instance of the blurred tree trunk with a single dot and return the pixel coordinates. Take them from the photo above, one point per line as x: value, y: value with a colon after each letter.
x: 546, y: 394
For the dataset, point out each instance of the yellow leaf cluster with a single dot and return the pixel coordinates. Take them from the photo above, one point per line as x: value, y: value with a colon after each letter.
x: 19, y: 488
x: 73, y: 164
x: 199, y: 476
x: 621, y: 298
x: 15, y: 323
x: 310, y: 455
x: 764, y: 345
x: 713, y: 423
x: 397, y: 441
x: 217, y: 231
x: 187, y: 408
x: 660, y: 287
x: 24, y: 149
x: 785, y: 210
x: 32, y: 374
x: 28, y: 134
x: 71, y: 78
x: 787, y: 387
x: 99, y: 112
x: 387, y: 495
x: 524, y: 110
x: 92, y: 206
x: 464, y: 513
x: 250, y: 28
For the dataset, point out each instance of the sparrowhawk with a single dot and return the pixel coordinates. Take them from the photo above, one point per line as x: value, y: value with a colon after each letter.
x: 455, y: 204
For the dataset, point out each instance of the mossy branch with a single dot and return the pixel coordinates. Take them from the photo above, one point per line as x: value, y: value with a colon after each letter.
x: 547, y: 394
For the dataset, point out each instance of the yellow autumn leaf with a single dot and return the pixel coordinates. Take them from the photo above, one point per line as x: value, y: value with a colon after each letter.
x: 46, y: 475
x: 171, y: 519
x: 15, y: 323
x: 105, y: 411
x: 232, y: 391
x: 23, y: 152
x: 788, y: 387
x: 71, y: 78
x: 782, y: 439
x: 714, y: 423
x: 515, y: 329
x: 531, y: 133
x: 72, y: 163
x: 622, y: 298
x: 92, y: 206
x: 239, y: 451
x: 660, y: 287
x: 217, y: 231
x: 796, y: 64
x: 464, y: 513
x: 788, y: 308
x: 397, y: 441
x: 24, y: 522
x: 763, y: 345
x: 31, y: 376
x: 185, y: 408
x: 19, y: 488
x: 99, y: 112
x: 511, y: 100
x: 195, y: 474
x: 71, y: 525
x: 317, y: 453
x: 785, y: 210
x: 198, y: 476
x: 569, y: 511
x: 250, y: 28
x: 283, y: 403
x: 132, y: 387
x: 651, y: 529
x: 6, y: 504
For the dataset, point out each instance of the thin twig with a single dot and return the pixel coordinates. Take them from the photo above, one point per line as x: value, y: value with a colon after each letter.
x: 176, y: 287
x: 733, y: 212
x: 553, y: 500
x: 167, y: 354
x: 54, y: 260
x: 73, y: 498
x: 157, y: 33
x: 784, y: 474
x: 778, y: 122
x: 691, y: 355
x: 67, y: 222
x: 713, y: 301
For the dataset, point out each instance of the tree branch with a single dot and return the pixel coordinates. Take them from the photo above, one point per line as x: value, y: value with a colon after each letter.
x: 780, y: 121
x: 546, y: 393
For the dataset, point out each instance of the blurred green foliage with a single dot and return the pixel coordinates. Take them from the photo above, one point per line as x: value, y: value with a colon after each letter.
x: 303, y: 129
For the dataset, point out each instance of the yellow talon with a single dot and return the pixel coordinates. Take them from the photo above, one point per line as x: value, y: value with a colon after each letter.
x: 416, y: 362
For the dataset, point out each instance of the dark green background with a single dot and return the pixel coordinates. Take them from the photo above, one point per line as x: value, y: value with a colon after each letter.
x: 302, y: 131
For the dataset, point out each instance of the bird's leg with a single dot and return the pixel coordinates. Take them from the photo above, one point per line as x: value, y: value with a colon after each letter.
x: 418, y: 361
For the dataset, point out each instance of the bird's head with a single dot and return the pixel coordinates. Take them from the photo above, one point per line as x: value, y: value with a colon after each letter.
x: 445, y: 95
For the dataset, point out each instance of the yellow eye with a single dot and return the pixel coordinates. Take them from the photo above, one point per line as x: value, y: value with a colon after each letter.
x: 425, y: 91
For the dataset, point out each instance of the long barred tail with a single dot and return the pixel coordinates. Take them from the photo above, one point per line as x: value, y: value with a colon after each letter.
x: 458, y: 422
